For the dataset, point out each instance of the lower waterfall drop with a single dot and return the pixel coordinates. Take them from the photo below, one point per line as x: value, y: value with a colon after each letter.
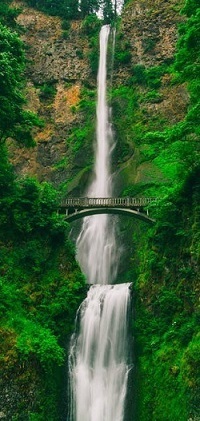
x: 98, y: 359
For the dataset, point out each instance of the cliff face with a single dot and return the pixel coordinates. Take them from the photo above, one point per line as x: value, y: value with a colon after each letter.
x: 58, y: 69
x: 151, y: 28
x: 149, y: 31
x: 53, y: 58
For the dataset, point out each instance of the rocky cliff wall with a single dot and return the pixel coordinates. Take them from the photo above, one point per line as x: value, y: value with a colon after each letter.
x: 56, y: 60
x: 149, y: 32
x: 59, y: 61
x: 151, y: 28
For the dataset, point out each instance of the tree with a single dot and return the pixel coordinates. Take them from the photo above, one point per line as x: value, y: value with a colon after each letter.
x: 72, y: 9
x: 88, y: 7
x: 109, y: 10
x: 14, y: 120
x: 187, y: 58
x: 68, y: 9
x: 190, y: 7
x: 7, y: 14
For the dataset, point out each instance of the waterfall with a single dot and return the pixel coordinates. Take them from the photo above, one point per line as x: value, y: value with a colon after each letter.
x: 98, y: 359
x: 99, y: 261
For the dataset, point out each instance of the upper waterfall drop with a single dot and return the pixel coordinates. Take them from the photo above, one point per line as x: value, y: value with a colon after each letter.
x: 97, y: 250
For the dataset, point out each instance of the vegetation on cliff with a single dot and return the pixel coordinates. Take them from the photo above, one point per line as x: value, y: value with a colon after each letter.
x: 41, y: 288
x: 41, y: 285
x: 14, y: 120
x: 165, y: 260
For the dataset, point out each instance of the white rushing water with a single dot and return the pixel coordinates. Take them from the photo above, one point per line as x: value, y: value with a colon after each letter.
x: 98, y: 360
x: 97, y: 251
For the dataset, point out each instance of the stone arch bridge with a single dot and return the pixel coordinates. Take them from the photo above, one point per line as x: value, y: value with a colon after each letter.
x: 75, y: 208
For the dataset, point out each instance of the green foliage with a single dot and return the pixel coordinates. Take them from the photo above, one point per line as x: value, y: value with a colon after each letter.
x: 173, y: 149
x: 93, y: 56
x: 34, y: 339
x: 191, y: 362
x: 82, y: 137
x: 149, y: 44
x: 47, y: 91
x: 35, y: 417
x: 65, y: 25
x: 187, y: 58
x: 65, y: 34
x: 164, y: 262
x: 150, y: 77
x: 6, y: 174
x: 176, y: 160
x: 123, y: 98
x: 153, y: 97
x: 68, y: 9
x: 123, y: 57
x: 8, y: 15
x: 139, y: 74
x: 74, y: 9
x: 79, y: 54
x: 166, y: 326
x: 109, y: 12
x: 191, y: 7
x: 91, y: 25
x: 14, y: 120
x: 88, y: 7
x: 41, y: 286
x: 122, y: 54
x: 78, y: 138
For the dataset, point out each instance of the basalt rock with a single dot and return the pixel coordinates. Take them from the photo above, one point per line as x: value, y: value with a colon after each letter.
x: 58, y: 60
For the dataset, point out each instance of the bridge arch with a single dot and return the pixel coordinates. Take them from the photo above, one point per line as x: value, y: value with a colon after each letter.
x: 76, y: 208
x: 117, y: 211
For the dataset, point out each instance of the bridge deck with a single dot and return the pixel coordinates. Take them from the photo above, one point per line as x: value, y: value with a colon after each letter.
x: 79, y: 207
x: 111, y: 202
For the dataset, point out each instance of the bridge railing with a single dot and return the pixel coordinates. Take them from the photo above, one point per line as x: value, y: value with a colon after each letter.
x: 88, y: 202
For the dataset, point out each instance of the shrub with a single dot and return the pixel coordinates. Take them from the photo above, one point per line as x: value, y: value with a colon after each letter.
x: 123, y: 57
x: 39, y: 341
x: 65, y: 34
x: 91, y: 25
x: 47, y: 91
x: 139, y: 74
x: 65, y: 25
